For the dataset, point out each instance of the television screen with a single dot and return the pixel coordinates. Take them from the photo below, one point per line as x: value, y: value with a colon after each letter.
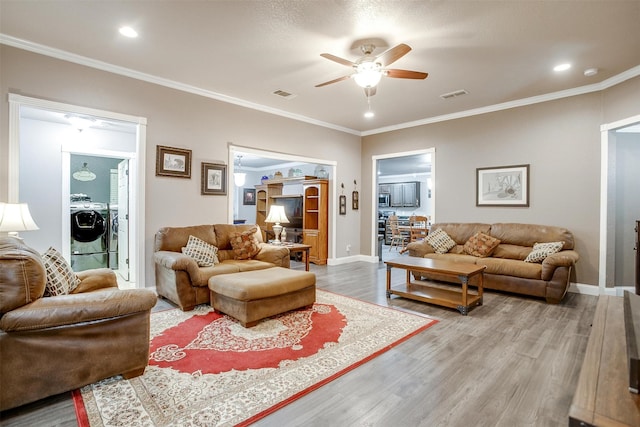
x: 293, y: 210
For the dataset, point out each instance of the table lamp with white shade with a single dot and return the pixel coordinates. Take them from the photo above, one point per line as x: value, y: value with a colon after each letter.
x: 15, y: 217
x: 277, y: 215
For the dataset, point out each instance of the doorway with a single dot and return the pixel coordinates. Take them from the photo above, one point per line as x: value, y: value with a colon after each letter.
x: 263, y: 164
x: 412, y: 174
x: 619, y: 205
x: 41, y: 141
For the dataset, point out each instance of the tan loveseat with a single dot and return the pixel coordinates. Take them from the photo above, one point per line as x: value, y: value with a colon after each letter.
x: 179, y: 278
x: 506, y: 269
x: 54, y: 344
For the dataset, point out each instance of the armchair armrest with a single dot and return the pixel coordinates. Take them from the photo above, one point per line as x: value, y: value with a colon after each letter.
x: 99, y: 278
x: 63, y: 310
x: 420, y: 248
x: 278, y: 255
x: 559, y: 259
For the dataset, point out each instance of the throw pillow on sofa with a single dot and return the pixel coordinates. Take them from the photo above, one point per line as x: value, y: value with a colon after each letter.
x: 61, y: 279
x: 440, y: 241
x: 481, y: 245
x: 205, y: 254
x: 542, y: 250
x: 245, y: 245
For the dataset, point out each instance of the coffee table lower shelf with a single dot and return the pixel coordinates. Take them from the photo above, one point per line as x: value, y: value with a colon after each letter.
x: 435, y: 295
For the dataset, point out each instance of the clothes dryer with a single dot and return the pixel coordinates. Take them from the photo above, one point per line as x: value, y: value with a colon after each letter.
x: 89, y: 235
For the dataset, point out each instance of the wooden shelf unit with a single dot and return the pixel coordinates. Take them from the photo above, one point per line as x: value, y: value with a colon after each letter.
x: 315, y: 208
x: 265, y: 195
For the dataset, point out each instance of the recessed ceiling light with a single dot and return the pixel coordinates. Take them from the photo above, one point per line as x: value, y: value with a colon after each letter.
x: 369, y: 114
x: 128, y: 32
x: 562, y: 67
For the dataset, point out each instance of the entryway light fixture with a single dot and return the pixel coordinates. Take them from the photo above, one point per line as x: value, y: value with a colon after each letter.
x: 239, y: 177
x: 84, y: 174
x: 80, y: 123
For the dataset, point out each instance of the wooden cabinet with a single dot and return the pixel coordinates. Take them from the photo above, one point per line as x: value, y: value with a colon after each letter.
x: 316, y: 219
x: 264, y: 200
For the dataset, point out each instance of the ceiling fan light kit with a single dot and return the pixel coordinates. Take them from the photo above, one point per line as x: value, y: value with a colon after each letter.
x: 369, y: 69
x: 368, y: 74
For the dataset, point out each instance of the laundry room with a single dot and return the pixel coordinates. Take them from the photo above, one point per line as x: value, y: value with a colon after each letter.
x: 76, y: 182
x: 94, y: 212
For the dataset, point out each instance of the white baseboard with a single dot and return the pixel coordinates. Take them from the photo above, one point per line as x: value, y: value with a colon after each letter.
x: 580, y: 288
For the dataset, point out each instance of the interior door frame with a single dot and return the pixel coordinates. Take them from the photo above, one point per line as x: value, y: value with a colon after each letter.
x: 234, y: 150
x: 607, y: 252
x: 137, y: 171
x: 374, y: 190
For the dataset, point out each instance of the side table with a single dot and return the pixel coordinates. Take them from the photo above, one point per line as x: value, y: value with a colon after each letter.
x: 299, y: 247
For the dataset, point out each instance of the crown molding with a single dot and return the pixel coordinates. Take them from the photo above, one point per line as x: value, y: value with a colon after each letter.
x: 104, y: 66
x: 115, y: 69
x: 605, y: 84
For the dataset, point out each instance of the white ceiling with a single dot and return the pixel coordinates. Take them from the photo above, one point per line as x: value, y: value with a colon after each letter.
x: 243, y: 51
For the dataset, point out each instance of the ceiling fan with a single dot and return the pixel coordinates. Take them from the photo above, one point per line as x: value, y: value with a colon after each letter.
x: 369, y: 69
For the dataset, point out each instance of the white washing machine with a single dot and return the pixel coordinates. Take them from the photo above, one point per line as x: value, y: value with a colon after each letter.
x: 89, y: 235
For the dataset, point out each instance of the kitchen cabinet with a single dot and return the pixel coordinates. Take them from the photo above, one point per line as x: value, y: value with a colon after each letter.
x: 405, y: 194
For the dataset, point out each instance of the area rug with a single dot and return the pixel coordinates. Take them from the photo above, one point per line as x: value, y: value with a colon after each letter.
x: 205, y: 369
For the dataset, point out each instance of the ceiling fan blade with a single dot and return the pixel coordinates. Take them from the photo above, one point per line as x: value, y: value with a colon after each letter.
x: 392, y: 55
x: 337, y: 59
x: 370, y: 91
x: 339, y: 79
x: 405, y: 74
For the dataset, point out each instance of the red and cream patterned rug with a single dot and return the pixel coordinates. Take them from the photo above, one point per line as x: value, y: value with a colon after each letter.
x: 206, y: 369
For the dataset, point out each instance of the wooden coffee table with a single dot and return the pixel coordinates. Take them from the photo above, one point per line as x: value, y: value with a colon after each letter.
x: 425, y: 292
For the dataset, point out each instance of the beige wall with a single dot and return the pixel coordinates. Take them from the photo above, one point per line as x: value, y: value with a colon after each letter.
x: 559, y: 139
x: 177, y: 119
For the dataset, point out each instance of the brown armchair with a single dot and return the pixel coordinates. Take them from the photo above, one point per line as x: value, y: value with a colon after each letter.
x: 49, y: 345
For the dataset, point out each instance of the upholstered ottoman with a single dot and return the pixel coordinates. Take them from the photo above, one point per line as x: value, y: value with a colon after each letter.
x: 250, y: 296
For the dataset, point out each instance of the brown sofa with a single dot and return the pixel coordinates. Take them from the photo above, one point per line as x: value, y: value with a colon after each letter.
x: 506, y: 269
x: 49, y: 345
x: 179, y: 278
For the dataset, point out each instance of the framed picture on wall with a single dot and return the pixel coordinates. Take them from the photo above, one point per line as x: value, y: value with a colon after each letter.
x: 214, y: 179
x: 249, y: 196
x: 502, y: 186
x: 174, y: 162
x: 343, y: 205
x: 355, y: 201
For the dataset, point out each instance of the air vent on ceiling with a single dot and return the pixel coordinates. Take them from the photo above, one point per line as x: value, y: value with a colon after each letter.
x: 454, y: 94
x: 284, y: 94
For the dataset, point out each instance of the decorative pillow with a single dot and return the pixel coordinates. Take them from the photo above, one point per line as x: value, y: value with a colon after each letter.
x: 205, y: 254
x: 245, y: 245
x: 440, y: 241
x: 542, y: 250
x: 61, y: 279
x: 481, y: 245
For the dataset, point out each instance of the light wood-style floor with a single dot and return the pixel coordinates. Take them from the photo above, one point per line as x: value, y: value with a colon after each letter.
x: 513, y: 361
